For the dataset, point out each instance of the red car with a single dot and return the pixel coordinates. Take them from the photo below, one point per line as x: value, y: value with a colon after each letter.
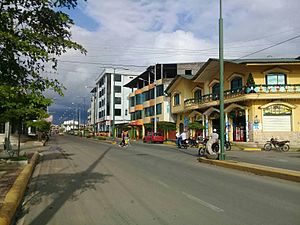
x: 154, y: 138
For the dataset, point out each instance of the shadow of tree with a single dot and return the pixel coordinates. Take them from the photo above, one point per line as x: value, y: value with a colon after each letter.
x: 64, y: 187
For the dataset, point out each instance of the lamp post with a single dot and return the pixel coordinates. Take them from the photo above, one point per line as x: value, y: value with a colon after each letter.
x: 221, y: 60
x: 84, y: 113
x: 94, y: 97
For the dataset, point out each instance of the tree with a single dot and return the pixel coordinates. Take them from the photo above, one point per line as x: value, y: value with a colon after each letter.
x: 166, y: 126
x: 32, y: 35
x: 250, y: 81
x: 42, y: 126
x: 195, y: 126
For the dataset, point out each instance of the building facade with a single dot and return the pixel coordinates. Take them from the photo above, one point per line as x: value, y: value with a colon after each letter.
x: 149, y: 105
x: 262, y: 99
x: 110, y: 102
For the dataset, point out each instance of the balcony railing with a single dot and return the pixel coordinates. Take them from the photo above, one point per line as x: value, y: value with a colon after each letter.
x: 287, y: 88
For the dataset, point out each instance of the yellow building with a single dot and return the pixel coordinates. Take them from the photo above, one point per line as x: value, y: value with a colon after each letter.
x: 254, y: 111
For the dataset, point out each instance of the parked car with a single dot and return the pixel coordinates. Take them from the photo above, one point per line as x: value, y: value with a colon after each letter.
x: 154, y: 138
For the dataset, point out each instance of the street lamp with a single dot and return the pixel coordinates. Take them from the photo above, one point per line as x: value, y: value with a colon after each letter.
x: 93, y: 91
x: 84, y: 113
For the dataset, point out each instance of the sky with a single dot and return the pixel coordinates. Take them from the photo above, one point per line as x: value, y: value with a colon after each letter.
x: 139, y: 33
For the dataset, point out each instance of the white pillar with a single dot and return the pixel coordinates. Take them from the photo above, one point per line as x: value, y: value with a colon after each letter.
x: 226, y: 126
x: 203, y: 124
x: 206, y: 125
x: 247, y: 125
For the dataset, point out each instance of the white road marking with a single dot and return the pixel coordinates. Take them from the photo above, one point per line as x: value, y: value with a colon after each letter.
x: 161, y: 183
x: 204, y: 203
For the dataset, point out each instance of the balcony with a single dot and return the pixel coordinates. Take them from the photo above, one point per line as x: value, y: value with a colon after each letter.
x: 261, y: 91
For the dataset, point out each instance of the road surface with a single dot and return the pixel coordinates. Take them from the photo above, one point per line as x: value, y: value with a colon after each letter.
x: 80, y: 181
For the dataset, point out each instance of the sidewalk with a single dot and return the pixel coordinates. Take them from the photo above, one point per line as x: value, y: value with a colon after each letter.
x: 9, y: 170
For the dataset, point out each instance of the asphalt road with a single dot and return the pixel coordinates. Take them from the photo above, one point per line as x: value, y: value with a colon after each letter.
x: 79, y: 181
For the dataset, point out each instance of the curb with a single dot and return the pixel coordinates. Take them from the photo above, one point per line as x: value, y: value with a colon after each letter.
x: 15, y: 195
x: 285, y: 174
x: 251, y: 149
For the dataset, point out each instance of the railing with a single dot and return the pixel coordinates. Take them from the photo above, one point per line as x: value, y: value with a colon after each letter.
x: 287, y: 88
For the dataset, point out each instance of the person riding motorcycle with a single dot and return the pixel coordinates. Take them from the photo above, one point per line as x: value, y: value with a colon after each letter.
x: 214, y: 137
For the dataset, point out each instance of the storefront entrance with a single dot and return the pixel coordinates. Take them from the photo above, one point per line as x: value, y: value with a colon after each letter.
x: 238, y: 125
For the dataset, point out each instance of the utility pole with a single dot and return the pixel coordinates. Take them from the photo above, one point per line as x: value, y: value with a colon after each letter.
x: 113, y: 105
x: 221, y: 60
x: 155, y: 122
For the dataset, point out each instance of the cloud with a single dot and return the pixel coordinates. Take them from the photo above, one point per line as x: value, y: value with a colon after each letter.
x: 144, y: 32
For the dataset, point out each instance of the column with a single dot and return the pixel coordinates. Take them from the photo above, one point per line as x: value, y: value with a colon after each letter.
x: 247, y: 124
x: 226, y: 126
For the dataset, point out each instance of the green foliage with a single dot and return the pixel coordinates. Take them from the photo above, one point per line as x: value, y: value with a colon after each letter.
x: 250, y: 80
x: 166, y: 126
x: 41, y: 125
x: 195, y: 126
x: 32, y: 35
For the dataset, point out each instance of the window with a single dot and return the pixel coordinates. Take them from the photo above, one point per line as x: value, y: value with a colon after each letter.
x: 236, y: 83
x: 117, y: 89
x: 188, y: 72
x: 158, y: 109
x: 176, y: 99
x: 108, y: 108
x: 117, y: 100
x: 138, y: 99
x: 159, y: 90
x: 197, y: 94
x: 151, y: 93
x: 126, y: 112
x: 276, y: 79
x: 131, y: 101
x: 146, y: 96
x: 149, y: 111
x: 118, y: 77
x: 117, y: 112
x: 138, y: 115
x: 215, y: 91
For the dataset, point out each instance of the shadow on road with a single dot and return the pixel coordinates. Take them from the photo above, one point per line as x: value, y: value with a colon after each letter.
x: 62, y: 188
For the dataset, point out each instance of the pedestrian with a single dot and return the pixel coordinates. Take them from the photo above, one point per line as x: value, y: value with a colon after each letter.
x: 177, y: 138
x: 183, y: 137
x: 122, y: 144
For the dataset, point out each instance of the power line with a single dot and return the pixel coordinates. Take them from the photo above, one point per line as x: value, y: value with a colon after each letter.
x: 279, y: 43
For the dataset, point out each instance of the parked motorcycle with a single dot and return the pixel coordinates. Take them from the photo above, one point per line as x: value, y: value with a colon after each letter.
x: 277, y: 145
x: 203, y: 151
x: 227, y: 145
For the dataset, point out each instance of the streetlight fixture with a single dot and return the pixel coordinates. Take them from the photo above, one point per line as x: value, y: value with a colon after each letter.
x: 93, y: 91
x: 221, y: 60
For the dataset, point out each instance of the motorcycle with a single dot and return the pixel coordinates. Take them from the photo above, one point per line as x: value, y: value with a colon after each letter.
x: 183, y: 144
x: 203, y: 151
x: 277, y: 145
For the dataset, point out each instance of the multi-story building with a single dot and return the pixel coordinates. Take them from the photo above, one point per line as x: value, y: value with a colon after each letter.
x: 149, y: 105
x: 262, y: 99
x: 110, y: 96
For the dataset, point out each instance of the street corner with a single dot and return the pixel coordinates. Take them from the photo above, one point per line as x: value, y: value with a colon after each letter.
x: 16, y: 193
x: 285, y: 174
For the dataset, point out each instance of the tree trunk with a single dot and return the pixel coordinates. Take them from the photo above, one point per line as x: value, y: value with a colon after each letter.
x: 19, y: 137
